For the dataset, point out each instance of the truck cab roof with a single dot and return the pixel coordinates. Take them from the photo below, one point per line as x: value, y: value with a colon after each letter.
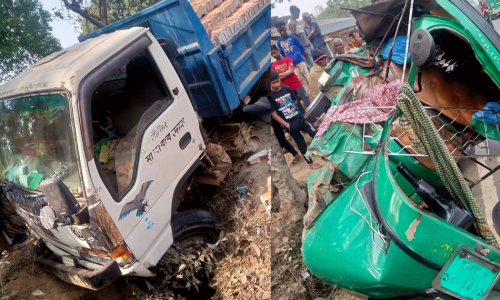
x: 65, y: 69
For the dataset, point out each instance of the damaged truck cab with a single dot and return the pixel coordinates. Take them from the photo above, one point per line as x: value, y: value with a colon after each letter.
x: 110, y: 218
x: 100, y: 140
x: 373, y: 231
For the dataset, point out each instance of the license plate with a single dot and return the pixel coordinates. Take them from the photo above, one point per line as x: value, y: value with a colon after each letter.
x: 68, y: 260
x: 467, y: 275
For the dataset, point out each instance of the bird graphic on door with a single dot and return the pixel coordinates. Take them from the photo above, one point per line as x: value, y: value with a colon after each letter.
x: 138, y: 203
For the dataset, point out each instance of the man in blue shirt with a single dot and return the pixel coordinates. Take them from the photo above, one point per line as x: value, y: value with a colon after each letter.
x: 314, y: 34
x: 291, y: 46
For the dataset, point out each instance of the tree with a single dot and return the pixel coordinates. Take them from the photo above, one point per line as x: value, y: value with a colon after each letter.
x: 274, y: 2
x: 95, y: 14
x: 25, y: 36
x: 317, y: 10
x: 334, y: 8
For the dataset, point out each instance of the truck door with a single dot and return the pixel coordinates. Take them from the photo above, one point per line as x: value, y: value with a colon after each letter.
x: 157, y: 140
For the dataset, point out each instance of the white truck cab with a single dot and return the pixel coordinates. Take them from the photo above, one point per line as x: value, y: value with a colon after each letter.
x: 96, y: 141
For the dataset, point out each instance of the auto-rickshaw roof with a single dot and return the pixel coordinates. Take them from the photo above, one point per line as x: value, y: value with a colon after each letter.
x: 375, y: 20
x: 66, y: 68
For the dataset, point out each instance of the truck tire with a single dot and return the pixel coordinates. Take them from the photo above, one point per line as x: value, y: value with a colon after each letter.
x: 320, y: 105
x: 193, y: 227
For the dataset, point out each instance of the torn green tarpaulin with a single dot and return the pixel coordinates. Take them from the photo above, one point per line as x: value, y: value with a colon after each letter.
x: 340, y: 138
x: 321, y: 192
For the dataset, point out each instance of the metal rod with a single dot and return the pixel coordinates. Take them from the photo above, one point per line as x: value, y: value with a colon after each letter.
x: 478, y: 162
x: 387, y: 33
x: 470, y: 181
x: 485, y: 176
x: 407, y: 40
x: 394, y: 41
x: 364, y: 11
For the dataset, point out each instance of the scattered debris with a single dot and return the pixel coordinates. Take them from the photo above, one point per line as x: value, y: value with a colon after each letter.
x: 258, y: 157
x: 305, y: 275
x: 214, y: 166
x: 236, y: 139
x: 266, y: 197
x: 242, y: 190
x: 37, y: 292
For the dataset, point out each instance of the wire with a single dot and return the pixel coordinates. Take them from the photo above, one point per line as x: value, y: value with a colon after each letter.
x: 369, y: 222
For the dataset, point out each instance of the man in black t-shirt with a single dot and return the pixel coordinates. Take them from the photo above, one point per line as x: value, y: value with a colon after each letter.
x: 284, y: 111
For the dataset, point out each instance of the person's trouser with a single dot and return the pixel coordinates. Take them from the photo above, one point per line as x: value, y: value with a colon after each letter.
x: 297, y: 125
x: 280, y: 136
x: 324, y: 48
x: 261, y: 108
x: 302, y: 95
x: 309, y: 58
x: 303, y: 73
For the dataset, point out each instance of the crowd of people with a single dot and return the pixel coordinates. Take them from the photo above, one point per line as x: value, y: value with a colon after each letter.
x: 300, y: 57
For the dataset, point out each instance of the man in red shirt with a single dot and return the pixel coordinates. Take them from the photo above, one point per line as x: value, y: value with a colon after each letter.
x: 485, y: 10
x: 284, y: 66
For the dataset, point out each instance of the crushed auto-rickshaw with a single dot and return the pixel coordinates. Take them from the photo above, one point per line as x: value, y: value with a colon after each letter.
x: 406, y: 205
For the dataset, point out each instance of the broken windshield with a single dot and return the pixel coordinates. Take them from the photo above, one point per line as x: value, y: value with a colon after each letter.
x: 36, y: 141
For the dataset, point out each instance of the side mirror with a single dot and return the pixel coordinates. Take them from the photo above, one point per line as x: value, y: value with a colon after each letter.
x: 60, y: 199
x: 422, y: 52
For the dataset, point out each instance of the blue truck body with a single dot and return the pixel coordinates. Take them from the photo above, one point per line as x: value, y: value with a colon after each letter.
x: 219, y: 77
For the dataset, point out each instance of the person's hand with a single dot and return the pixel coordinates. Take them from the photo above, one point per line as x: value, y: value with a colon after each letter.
x: 313, y: 31
x: 287, y: 125
x: 306, y: 53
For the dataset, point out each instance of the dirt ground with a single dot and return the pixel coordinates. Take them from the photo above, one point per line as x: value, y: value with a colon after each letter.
x: 238, y: 266
x: 290, y: 278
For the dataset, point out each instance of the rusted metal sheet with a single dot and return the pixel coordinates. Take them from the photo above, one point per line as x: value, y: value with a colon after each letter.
x: 237, y: 139
x: 215, y: 165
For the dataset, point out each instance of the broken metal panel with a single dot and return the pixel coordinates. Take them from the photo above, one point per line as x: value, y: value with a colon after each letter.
x: 320, y: 192
x: 346, y: 247
x: 215, y: 165
x: 237, y: 139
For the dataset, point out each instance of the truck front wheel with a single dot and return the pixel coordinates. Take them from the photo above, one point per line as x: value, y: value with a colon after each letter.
x: 193, y: 227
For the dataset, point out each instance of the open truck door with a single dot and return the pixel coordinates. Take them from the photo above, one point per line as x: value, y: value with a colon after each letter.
x: 150, y: 107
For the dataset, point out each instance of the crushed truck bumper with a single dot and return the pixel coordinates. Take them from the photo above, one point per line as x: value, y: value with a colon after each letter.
x: 90, y: 279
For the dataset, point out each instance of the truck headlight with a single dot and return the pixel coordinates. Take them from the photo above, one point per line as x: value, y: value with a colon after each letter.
x: 122, y: 255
